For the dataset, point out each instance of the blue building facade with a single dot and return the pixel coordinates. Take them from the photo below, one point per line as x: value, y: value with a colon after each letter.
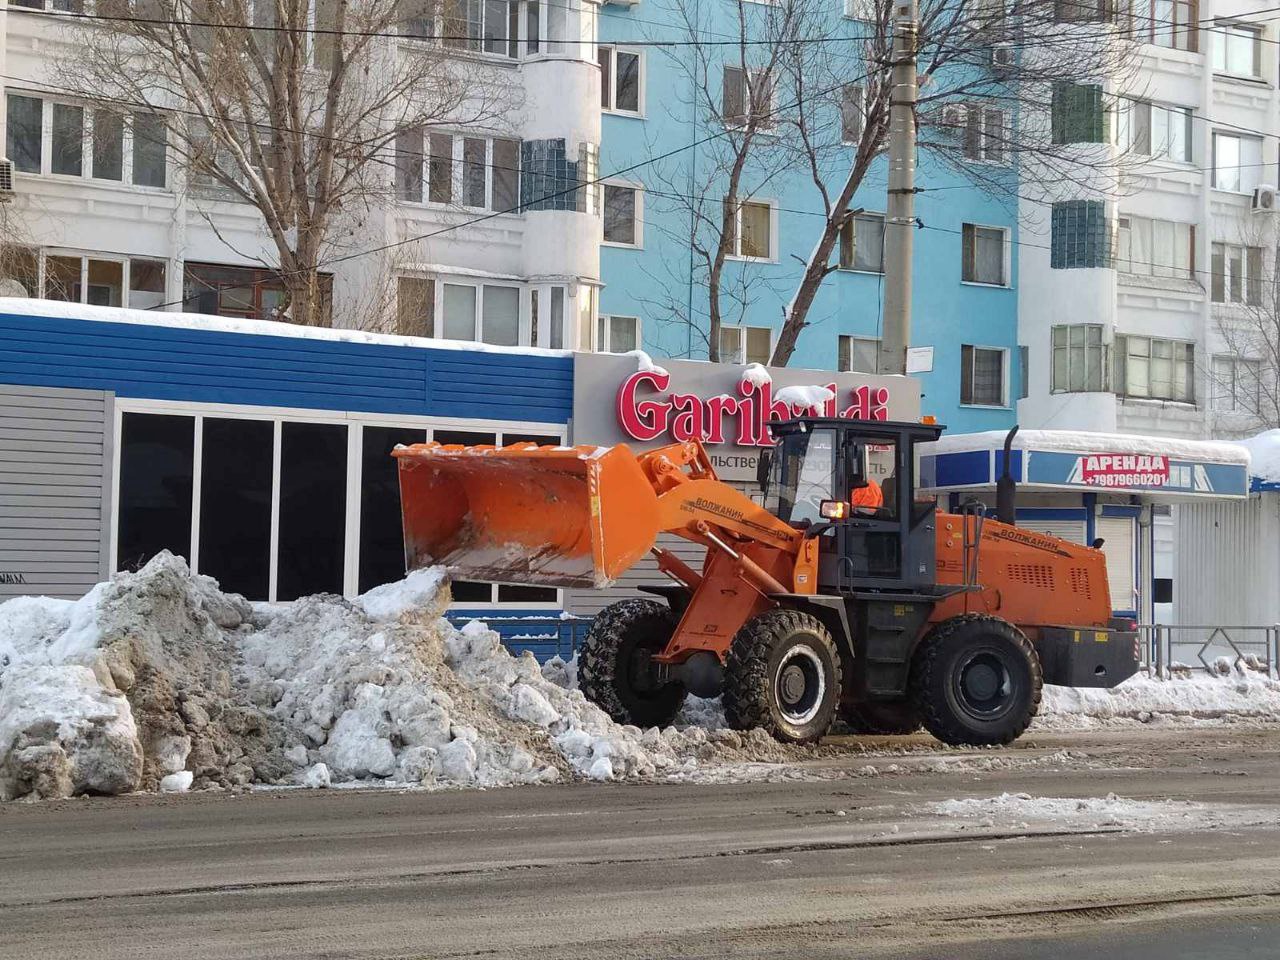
x: 642, y: 280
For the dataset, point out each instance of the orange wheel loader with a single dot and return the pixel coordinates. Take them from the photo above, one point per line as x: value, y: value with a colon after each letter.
x: 809, y: 606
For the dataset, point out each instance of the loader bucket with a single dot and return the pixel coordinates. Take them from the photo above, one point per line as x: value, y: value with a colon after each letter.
x: 555, y: 516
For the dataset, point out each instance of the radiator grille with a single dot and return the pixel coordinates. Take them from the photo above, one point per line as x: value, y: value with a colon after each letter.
x: 1080, y: 581
x: 1032, y: 574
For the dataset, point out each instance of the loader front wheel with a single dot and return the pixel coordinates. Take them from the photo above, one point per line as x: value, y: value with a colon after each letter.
x: 976, y: 680
x: 782, y: 674
x: 616, y: 669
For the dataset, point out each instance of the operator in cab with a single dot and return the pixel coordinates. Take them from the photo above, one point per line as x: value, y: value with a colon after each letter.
x: 866, y: 498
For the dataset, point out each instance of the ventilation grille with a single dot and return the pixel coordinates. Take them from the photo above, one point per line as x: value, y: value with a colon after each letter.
x: 1080, y: 581
x: 1032, y: 574
x: 6, y: 176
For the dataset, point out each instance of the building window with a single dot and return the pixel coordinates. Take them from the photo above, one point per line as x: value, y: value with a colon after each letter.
x: 985, y: 255
x: 1148, y: 367
x: 1155, y: 248
x: 982, y: 376
x: 862, y: 243
x: 1174, y: 24
x: 90, y: 143
x: 475, y: 172
x: 851, y: 110
x: 415, y: 307
x: 1236, y: 48
x: 621, y: 80
x: 247, y: 292
x: 1237, y: 385
x: 1236, y: 274
x: 1078, y: 114
x: 984, y: 134
x: 857, y: 354
x: 1081, y: 11
x: 1237, y: 162
x: 486, y: 312
x: 1081, y: 359
x: 491, y: 26
x: 617, y: 334
x: 746, y: 94
x: 750, y: 228
x: 622, y: 214
x: 1155, y: 130
x: 102, y: 281
x: 746, y: 344
x: 1080, y: 236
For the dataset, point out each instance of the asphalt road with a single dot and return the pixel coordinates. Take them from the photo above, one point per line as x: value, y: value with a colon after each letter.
x: 843, y: 867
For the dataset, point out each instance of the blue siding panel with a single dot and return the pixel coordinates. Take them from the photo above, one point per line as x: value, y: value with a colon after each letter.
x: 213, y: 366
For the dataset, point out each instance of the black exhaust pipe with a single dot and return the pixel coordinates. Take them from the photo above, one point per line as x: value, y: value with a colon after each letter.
x: 1006, y: 486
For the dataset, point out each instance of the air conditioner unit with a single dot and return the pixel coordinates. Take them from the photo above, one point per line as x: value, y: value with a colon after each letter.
x: 1002, y: 55
x: 1264, y: 199
x: 6, y: 178
x: 954, y: 116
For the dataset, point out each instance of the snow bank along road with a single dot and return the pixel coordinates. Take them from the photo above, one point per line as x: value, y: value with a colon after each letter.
x: 926, y: 860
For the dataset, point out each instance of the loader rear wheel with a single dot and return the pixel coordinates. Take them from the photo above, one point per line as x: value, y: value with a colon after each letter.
x: 616, y: 669
x: 782, y: 674
x: 976, y: 680
x: 888, y: 717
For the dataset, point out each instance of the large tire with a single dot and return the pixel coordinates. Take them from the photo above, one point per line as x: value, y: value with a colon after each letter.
x: 782, y: 674
x: 976, y: 681
x: 615, y: 669
x: 888, y: 717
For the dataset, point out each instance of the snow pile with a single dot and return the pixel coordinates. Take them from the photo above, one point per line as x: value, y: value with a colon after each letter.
x: 1264, y: 454
x: 1022, y: 811
x: 158, y: 680
x: 805, y: 397
x: 756, y: 375
x: 645, y: 364
x: 1238, y: 694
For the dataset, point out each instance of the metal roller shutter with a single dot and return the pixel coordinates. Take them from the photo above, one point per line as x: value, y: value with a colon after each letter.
x: 1072, y: 530
x: 1119, y: 546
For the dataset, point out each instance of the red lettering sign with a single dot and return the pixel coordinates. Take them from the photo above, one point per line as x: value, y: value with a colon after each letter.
x: 744, y: 418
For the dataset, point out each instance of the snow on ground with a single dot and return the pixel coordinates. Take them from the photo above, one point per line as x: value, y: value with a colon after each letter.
x: 159, y: 680
x: 1022, y: 811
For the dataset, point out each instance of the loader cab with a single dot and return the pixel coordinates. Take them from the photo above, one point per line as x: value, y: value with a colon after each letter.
x: 816, y: 479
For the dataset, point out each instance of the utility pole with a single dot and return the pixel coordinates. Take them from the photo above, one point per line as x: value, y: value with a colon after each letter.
x: 899, y: 224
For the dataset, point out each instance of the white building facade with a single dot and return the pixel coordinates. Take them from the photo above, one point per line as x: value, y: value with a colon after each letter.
x: 103, y: 213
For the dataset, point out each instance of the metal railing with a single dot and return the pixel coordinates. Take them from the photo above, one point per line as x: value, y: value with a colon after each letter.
x: 1181, y: 647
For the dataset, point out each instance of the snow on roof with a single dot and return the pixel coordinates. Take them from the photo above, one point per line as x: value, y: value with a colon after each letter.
x: 1082, y: 441
x: 268, y: 328
x: 1264, y: 453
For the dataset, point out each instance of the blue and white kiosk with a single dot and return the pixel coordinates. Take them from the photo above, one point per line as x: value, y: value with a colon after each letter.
x: 1089, y: 486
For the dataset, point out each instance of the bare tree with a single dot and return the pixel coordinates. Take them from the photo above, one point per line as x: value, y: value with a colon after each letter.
x: 288, y: 105
x: 1243, y: 374
x: 731, y: 88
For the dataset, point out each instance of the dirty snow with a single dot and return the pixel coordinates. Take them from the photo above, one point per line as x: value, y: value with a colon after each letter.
x: 804, y: 397
x: 1022, y: 811
x: 158, y: 680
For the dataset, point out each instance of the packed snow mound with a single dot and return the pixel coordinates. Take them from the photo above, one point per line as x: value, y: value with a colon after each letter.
x: 158, y: 680
x: 1023, y: 810
x: 1236, y: 693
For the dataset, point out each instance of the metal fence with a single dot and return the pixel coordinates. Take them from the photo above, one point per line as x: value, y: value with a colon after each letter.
x: 1170, y: 648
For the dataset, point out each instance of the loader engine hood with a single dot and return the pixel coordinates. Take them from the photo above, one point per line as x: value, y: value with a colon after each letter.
x: 552, y: 516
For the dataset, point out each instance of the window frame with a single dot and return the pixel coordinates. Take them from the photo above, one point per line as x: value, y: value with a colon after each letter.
x: 766, y: 119
x: 604, y: 325
x: 40, y: 256
x: 843, y: 355
x: 1121, y: 352
x: 772, y: 206
x: 355, y: 422
x: 457, y: 171
x: 1220, y: 33
x: 850, y: 230
x: 637, y: 214
x: 1186, y: 271
x: 1104, y: 357
x: 478, y: 284
x: 1233, y: 403
x: 1251, y: 287
x: 1125, y: 129
x: 740, y: 351
x: 1006, y: 266
x: 974, y: 349
x: 1255, y: 175
x: 612, y: 109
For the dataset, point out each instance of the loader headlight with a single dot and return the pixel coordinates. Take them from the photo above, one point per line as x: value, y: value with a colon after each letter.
x: 833, y: 509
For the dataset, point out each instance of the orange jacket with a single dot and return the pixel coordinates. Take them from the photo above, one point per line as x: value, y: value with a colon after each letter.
x: 870, y: 496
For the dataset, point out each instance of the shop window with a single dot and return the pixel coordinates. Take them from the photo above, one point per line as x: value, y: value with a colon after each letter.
x: 621, y: 79
x: 982, y: 376
x: 1081, y: 360
x: 746, y: 344
x: 381, y: 530
x: 1237, y: 162
x: 1078, y: 114
x: 1153, y: 368
x: 1236, y: 274
x: 1155, y: 248
x: 857, y: 354
x: 157, y: 466
x: 750, y: 228
x: 622, y: 214
x: 862, y: 243
x: 235, y: 504
x: 985, y: 255
x: 313, y: 509
x: 617, y: 334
